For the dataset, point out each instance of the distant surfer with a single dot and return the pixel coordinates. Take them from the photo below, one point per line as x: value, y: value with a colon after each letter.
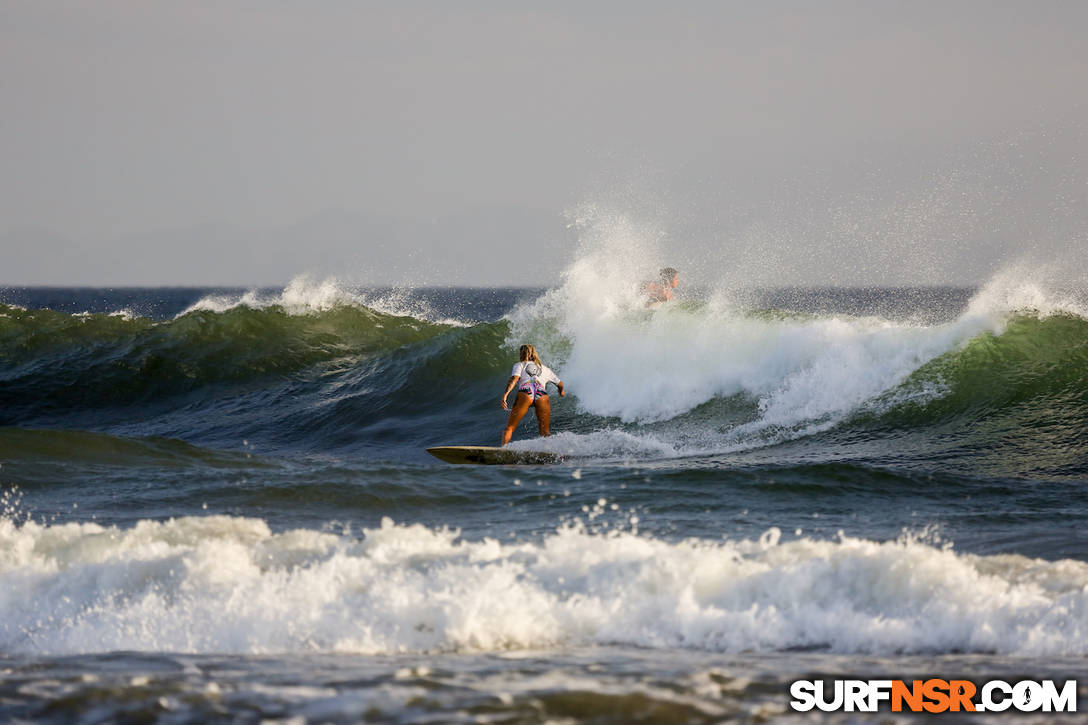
x: 531, y: 378
x: 662, y: 290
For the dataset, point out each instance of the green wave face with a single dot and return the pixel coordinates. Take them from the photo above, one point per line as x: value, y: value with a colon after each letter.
x: 1011, y: 402
x: 53, y: 358
x: 269, y: 335
x: 1033, y: 360
x: 1017, y: 402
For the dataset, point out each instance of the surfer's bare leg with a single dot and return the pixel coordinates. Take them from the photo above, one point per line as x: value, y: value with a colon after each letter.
x: 521, y: 407
x: 543, y: 415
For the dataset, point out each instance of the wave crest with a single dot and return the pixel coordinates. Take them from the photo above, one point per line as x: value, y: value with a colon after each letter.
x: 226, y: 584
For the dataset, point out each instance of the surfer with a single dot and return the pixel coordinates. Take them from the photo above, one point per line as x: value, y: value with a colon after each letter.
x: 662, y: 290
x: 531, y: 378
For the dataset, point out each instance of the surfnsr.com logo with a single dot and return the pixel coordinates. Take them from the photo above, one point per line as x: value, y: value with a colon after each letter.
x: 933, y: 696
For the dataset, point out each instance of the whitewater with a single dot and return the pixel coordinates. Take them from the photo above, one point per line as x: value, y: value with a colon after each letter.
x: 219, y: 500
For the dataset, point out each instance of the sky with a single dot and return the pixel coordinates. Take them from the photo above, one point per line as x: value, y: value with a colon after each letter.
x: 487, y: 143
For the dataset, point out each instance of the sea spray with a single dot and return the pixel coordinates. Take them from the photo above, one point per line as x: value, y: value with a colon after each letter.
x: 776, y: 375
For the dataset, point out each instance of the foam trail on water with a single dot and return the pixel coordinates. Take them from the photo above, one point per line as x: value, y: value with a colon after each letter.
x: 601, y: 444
x: 224, y: 584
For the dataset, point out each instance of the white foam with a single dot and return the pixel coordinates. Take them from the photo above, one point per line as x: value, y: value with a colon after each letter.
x: 124, y: 313
x: 401, y: 303
x: 224, y: 302
x: 306, y: 295
x: 1030, y: 290
x: 303, y: 295
x: 804, y: 373
x: 225, y: 584
x: 606, y: 443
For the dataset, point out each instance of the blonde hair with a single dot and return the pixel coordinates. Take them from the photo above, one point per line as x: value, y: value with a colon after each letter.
x: 528, y: 352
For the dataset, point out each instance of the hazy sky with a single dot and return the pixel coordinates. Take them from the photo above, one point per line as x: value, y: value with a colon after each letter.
x: 445, y: 142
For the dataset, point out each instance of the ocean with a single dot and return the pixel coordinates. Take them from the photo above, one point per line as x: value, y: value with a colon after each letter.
x: 217, y: 505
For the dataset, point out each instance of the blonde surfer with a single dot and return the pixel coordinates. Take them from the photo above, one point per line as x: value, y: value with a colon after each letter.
x: 531, y: 377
